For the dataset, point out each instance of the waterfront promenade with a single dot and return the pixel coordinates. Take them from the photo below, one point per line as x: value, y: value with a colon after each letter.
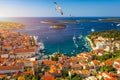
x: 91, y: 44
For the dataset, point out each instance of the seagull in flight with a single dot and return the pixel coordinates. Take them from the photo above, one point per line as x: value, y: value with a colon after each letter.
x: 58, y: 8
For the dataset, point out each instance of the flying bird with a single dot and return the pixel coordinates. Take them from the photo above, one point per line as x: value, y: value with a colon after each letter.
x: 58, y: 8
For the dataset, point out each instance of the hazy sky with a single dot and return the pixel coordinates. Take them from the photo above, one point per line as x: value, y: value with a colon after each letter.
x: 45, y: 8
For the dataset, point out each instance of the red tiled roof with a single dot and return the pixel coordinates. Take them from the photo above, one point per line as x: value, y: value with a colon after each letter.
x: 111, y: 79
x: 111, y: 76
x: 10, y: 67
x: 117, y: 66
x: 100, y: 74
x: 108, y: 62
x: 49, y: 62
x: 48, y: 78
x: 85, y: 72
x: 117, y: 60
x: 100, y: 49
x: 2, y: 51
x: 118, y: 42
x: 6, y: 46
x: 3, y: 59
x: 96, y: 62
x: 35, y: 62
x: 22, y: 50
x: 2, y: 75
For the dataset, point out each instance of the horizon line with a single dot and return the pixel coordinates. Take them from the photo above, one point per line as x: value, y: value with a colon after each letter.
x: 54, y: 16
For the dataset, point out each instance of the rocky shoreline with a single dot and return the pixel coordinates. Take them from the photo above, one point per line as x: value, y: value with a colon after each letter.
x: 58, y: 26
x: 91, y: 44
x: 11, y: 25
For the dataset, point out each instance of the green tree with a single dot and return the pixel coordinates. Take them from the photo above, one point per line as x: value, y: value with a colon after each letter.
x: 5, y: 79
x: 64, y: 73
x: 16, y: 77
x: 56, y: 56
x: 32, y: 41
x: 59, y: 79
x: 34, y: 78
x: 40, y: 69
x: 27, y: 68
x: 108, y: 69
x: 77, y: 77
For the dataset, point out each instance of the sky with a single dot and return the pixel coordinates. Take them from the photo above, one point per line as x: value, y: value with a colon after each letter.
x: 46, y: 8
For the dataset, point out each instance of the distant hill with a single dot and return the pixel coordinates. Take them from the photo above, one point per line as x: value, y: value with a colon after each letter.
x: 10, y: 25
x: 106, y: 34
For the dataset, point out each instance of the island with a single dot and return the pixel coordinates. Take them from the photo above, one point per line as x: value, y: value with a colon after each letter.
x: 49, y: 21
x: 68, y: 21
x: 58, y: 21
x: 58, y: 26
x: 117, y: 20
x: 109, y: 20
x: 11, y: 25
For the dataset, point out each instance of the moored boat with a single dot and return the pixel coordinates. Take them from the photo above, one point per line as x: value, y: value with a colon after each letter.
x: 74, y: 38
x: 80, y: 37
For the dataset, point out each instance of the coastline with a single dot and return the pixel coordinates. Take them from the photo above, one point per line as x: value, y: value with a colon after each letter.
x: 91, y: 44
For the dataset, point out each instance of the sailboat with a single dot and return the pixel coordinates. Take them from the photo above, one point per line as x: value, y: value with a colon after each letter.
x: 80, y: 37
x: 74, y: 38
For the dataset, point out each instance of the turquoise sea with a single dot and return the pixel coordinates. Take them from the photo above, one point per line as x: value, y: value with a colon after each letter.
x: 62, y: 39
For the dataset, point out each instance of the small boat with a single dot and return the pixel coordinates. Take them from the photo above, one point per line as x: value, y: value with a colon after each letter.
x: 74, y: 38
x: 92, y: 30
x: 41, y: 46
x: 76, y: 45
x: 118, y: 25
x: 80, y: 37
x: 72, y: 53
x: 85, y: 45
x: 100, y: 19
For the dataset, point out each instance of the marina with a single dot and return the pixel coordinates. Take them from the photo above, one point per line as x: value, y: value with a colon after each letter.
x: 59, y: 40
x: 64, y: 38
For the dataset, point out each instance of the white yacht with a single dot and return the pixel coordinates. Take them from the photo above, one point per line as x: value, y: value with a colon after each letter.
x: 118, y: 25
x: 80, y: 37
x: 92, y: 30
x: 76, y: 45
x: 74, y: 38
x: 41, y: 46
